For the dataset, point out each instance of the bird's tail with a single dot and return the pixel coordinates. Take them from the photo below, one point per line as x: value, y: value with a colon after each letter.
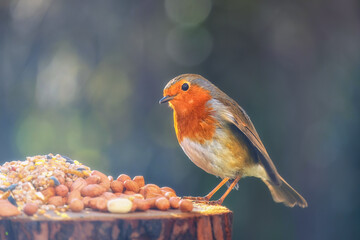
x: 286, y: 194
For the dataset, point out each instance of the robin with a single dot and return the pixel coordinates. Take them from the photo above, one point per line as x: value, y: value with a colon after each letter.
x: 219, y: 137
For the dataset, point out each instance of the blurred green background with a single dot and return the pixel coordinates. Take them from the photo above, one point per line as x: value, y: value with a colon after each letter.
x: 83, y: 78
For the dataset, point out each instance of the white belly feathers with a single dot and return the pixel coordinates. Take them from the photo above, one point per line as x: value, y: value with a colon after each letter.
x: 210, y: 156
x: 216, y: 158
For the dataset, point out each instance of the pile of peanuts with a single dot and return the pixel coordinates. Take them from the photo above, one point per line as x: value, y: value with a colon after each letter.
x: 55, y: 182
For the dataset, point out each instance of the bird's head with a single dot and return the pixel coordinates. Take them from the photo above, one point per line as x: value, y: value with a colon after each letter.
x: 188, y: 92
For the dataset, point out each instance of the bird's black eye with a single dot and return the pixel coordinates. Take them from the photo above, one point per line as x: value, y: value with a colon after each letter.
x: 185, y: 87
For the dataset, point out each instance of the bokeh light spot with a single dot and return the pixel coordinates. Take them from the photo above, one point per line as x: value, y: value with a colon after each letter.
x: 58, y: 78
x: 189, y: 47
x: 27, y: 14
x: 109, y: 92
x: 188, y: 12
x: 57, y: 132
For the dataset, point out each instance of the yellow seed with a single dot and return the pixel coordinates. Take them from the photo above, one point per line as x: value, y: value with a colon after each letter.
x: 40, y: 196
x: 27, y: 179
x: 41, y: 211
x: 7, y: 184
x: 64, y: 215
x: 5, y: 195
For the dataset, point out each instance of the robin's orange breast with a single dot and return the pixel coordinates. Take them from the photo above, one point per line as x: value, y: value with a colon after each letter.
x: 198, y: 124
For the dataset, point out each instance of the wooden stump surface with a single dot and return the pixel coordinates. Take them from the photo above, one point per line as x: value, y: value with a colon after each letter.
x: 205, y: 222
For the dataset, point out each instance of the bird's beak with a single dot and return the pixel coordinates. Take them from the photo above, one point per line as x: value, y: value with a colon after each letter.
x: 166, y: 99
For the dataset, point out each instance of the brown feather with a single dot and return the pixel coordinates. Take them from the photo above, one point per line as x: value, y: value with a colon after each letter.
x: 284, y: 193
x: 243, y: 123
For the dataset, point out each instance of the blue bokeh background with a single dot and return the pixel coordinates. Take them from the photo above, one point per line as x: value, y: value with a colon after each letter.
x: 83, y: 78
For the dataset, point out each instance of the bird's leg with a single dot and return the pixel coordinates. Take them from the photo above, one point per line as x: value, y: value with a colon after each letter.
x: 221, y: 200
x: 210, y: 194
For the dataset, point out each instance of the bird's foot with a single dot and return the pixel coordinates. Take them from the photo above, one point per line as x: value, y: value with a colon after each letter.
x: 217, y: 202
x: 200, y: 199
x: 204, y: 200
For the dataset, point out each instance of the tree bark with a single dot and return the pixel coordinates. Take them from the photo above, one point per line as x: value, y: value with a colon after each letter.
x: 152, y: 224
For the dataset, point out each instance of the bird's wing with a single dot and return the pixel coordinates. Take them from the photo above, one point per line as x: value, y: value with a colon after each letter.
x: 241, y: 121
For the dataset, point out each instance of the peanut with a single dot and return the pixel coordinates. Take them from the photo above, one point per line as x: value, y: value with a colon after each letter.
x: 142, y: 191
x: 98, y: 203
x: 68, y: 183
x: 92, y: 203
x: 169, y: 195
x: 93, y: 179
x: 168, y: 189
x: 61, y: 190
x: 131, y: 185
x: 73, y: 195
x: 174, y: 202
x: 138, y: 196
x: 30, y: 209
x: 48, y: 193
x: 76, y: 205
x: 86, y: 201
x: 7, y: 209
x: 129, y: 193
x: 119, y: 205
x: 152, y: 201
x: 104, y: 181
x: 186, y: 205
x: 141, y: 204
x: 118, y: 194
x: 162, y: 203
x: 101, y: 204
x: 117, y: 186
x: 92, y: 190
x: 111, y: 178
x: 60, y: 179
x: 56, y: 201
x: 79, y: 184
x: 134, y: 207
x: 139, y: 180
x: 152, y: 190
x: 123, y: 177
x: 108, y: 195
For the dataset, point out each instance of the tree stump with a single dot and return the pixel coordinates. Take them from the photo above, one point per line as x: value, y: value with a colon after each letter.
x: 205, y: 222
